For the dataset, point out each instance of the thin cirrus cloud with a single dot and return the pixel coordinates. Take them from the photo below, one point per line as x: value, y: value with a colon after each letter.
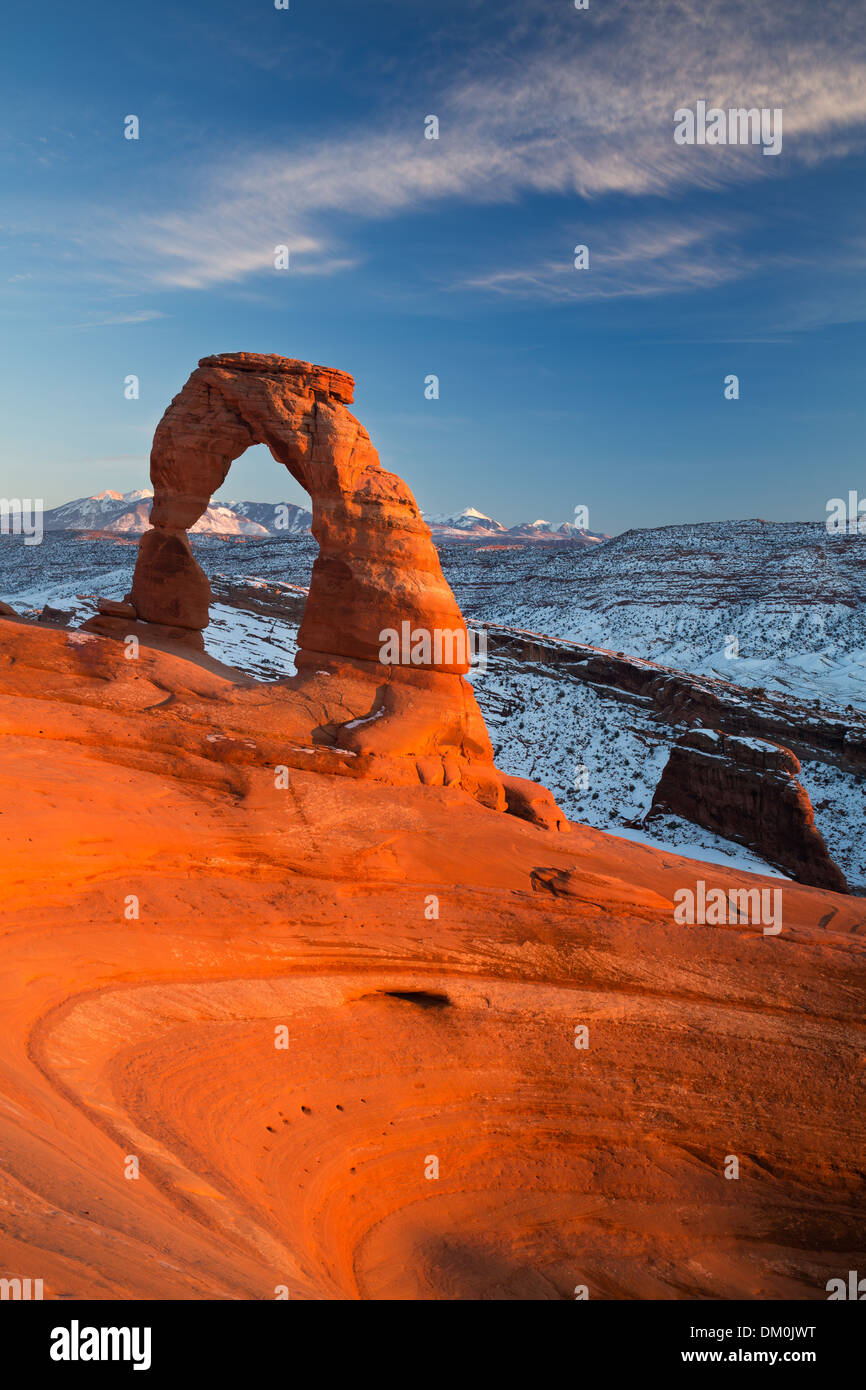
x: 652, y: 258
x: 588, y: 113
x: 116, y: 320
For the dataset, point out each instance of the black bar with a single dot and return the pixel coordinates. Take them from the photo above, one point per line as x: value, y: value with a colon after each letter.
x: 231, y: 1338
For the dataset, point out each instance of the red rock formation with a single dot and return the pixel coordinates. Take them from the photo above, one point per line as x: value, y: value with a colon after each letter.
x: 377, y: 571
x: 746, y: 789
x: 377, y: 566
x: 167, y: 908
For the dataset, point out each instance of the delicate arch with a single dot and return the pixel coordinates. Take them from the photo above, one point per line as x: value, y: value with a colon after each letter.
x: 377, y: 567
x: 377, y: 572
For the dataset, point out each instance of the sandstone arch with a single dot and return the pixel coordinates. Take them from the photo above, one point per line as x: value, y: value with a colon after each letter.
x: 377, y: 570
x: 377, y: 566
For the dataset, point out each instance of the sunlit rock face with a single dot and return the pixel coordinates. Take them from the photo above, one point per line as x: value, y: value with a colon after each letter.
x: 383, y: 648
x: 363, y: 1036
x: 374, y: 1041
x: 377, y: 566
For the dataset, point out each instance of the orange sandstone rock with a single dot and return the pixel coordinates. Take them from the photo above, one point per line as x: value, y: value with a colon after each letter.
x: 414, y: 718
x: 377, y: 566
x: 171, y: 911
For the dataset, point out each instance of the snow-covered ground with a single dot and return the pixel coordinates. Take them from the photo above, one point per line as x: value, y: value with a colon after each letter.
x: 780, y: 606
x: 253, y: 642
x: 602, y: 759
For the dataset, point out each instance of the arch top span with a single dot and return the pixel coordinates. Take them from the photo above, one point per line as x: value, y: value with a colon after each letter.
x: 340, y: 385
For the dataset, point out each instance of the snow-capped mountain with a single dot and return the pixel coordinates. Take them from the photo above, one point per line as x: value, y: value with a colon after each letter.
x: 274, y: 518
x: 130, y: 522
x: 469, y: 522
x: 95, y: 513
x: 220, y: 520
x: 579, y: 533
x: 531, y: 528
x: 128, y: 513
x: 545, y: 531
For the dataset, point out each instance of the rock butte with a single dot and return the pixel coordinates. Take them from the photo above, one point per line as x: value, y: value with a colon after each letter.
x: 377, y: 569
x: 747, y: 790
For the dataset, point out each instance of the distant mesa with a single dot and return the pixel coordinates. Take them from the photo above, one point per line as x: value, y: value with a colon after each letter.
x: 377, y: 571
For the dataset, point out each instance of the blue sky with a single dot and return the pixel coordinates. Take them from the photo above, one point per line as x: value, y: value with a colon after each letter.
x: 558, y: 387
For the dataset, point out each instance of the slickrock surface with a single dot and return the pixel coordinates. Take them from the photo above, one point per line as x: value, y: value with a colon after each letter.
x: 410, y: 1037
x: 746, y: 789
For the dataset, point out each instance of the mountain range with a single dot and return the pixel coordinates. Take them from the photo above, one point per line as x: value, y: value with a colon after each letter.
x: 128, y: 513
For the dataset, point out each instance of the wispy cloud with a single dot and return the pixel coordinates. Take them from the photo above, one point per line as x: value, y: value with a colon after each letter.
x: 114, y: 320
x: 651, y: 258
x: 586, y: 111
